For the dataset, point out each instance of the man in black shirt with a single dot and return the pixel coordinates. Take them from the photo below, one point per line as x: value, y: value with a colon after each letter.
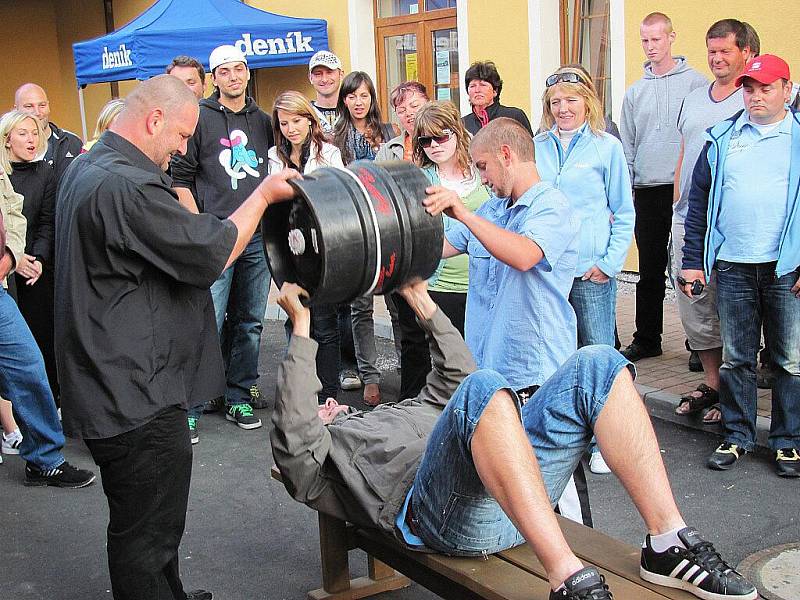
x: 135, y: 332
x: 325, y: 74
x: 62, y: 145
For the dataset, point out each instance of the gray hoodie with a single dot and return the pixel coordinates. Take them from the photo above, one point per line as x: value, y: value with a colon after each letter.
x: 649, y: 122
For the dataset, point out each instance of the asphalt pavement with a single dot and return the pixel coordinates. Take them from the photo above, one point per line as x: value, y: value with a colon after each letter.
x: 247, y: 539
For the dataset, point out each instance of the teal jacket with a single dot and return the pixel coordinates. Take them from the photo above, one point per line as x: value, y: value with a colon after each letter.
x: 594, y: 175
x: 702, y: 239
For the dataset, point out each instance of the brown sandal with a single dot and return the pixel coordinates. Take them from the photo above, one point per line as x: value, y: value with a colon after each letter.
x: 707, y: 398
x: 717, y: 420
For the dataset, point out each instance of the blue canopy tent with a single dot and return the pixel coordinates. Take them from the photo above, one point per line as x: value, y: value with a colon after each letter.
x: 146, y: 45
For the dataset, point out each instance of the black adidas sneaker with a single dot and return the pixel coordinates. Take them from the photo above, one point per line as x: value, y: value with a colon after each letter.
x: 698, y: 569
x: 586, y: 584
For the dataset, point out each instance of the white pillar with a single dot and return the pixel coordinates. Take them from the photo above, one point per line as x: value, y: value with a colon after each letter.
x: 617, y: 45
x: 361, y: 21
x: 463, y: 52
x: 544, y: 41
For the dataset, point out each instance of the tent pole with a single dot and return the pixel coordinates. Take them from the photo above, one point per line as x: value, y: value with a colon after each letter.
x: 83, y: 112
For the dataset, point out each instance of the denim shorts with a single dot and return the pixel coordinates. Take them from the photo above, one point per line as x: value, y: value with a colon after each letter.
x: 452, y: 510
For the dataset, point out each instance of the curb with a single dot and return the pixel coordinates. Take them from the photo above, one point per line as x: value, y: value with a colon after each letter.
x: 661, y: 405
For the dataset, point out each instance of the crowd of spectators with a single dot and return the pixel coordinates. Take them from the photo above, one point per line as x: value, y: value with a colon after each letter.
x: 109, y: 313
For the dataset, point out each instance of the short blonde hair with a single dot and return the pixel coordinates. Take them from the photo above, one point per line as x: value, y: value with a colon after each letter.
x: 9, y: 122
x: 585, y: 89
x: 658, y: 17
x: 107, y: 115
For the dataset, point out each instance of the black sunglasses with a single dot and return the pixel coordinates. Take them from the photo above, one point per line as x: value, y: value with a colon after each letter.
x: 426, y: 140
x: 567, y: 77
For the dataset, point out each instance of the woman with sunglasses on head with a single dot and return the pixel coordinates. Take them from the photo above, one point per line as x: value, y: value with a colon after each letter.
x: 441, y: 147
x: 588, y: 165
x: 359, y: 134
x: 23, y: 146
x: 300, y: 144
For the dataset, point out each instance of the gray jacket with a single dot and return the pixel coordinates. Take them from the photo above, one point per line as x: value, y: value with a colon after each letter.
x: 391, y: 150
x: 360, y: 467
x: 649, y: 123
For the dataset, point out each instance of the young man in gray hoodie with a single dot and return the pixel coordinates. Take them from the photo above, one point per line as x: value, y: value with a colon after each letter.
x: 651, y: 141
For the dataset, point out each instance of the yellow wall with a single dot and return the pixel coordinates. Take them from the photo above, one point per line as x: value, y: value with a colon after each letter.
x: 692, y: 19
x: 504, y: 41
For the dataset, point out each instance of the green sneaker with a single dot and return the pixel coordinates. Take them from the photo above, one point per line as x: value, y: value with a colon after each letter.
x: 193, y: 435
x: 242, y: 415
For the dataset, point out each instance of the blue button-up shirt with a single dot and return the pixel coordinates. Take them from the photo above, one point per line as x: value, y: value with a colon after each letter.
x: 755, y: 184
x: 520, y: 323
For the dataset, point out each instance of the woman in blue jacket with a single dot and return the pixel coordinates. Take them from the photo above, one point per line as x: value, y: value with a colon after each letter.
x: 577, y: 156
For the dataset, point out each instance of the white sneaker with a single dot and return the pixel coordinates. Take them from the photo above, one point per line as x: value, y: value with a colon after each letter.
x: 11, y: 442
x: 597, y: 464
x: 349, y: 380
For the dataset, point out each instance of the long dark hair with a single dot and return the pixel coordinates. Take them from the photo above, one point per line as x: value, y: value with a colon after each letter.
x: 373, y: 133
x: 296, y: 104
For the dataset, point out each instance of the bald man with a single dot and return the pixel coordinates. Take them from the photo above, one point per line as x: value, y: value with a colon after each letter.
x: 62, y: 145
x: 130, y: 256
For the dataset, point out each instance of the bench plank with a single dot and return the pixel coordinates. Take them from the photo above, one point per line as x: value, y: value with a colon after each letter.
x: 456, y: 578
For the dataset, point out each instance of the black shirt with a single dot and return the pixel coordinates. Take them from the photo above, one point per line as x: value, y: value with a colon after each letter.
x: 496, y: 110
x: 36, y: 181
x: 135, y: 330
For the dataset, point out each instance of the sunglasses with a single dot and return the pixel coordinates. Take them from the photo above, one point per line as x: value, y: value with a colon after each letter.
x: 563, y: 78
x: 425, y: 141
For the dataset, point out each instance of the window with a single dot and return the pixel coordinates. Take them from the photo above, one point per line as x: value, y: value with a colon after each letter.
x: 585, y: 34
x: 420, y: 46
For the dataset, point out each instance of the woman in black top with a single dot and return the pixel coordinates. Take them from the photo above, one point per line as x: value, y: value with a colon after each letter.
x: 23, y: 147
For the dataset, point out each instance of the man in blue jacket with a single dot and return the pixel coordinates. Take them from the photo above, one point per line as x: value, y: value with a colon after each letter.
x: 743, y: 222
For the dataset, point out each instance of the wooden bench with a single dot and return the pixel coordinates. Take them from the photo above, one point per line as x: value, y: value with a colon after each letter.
x: 514, y: 574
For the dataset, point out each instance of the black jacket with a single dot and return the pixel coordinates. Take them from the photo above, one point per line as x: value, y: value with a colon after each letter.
x: 226, y: 157
x: 495, y: 110
x: 36, y: 181
x: 62, y: 148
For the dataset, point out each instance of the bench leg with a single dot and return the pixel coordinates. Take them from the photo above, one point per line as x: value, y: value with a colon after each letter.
x: 336, y: 582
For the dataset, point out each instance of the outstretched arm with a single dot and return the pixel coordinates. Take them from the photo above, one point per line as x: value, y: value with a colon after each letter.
x: 451, y: 360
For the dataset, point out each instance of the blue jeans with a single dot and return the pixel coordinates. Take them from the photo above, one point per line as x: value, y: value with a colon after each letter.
x: 747, y: 295
x: 241, y: 294
x: 595, y: 306
x: 23, y: 380
x: 452, y: 509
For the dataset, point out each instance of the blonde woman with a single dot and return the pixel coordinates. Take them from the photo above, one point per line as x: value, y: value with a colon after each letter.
x: 577, y: 156
x: 23, y: 143
x: 300, y: 144
x: 440, y: 146
x: 299, y: 139
x: 105, y: 118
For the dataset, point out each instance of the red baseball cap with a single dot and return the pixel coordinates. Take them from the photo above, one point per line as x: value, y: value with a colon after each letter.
x: 765, y: 69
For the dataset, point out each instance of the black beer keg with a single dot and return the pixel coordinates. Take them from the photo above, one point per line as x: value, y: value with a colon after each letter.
x: 348, y: 233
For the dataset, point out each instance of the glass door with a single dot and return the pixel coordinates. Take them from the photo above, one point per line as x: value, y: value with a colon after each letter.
x: 446, y: 85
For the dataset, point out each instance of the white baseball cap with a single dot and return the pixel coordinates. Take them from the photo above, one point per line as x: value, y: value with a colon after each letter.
x: 225, y: 54
x: 324, y: 58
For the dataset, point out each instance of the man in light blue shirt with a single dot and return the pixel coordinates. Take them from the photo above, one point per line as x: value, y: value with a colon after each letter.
x: 522, y: 247
x: 743, y: 224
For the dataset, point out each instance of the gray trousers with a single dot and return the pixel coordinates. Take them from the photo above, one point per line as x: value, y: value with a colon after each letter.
x: 361, y: 310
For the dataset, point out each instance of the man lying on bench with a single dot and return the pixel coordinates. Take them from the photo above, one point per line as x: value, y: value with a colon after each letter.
x: 463, y: 469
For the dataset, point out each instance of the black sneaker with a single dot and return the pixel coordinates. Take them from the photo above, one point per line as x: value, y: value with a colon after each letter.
x: 242, y: 415
x: 64, y: 476
x: 199, y: 595
x: 636, y: 352
x: 586, y: 584
x: 698, y: 569
x: 787, y: 462
x: 725, y: 456
x: 257, y: 401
